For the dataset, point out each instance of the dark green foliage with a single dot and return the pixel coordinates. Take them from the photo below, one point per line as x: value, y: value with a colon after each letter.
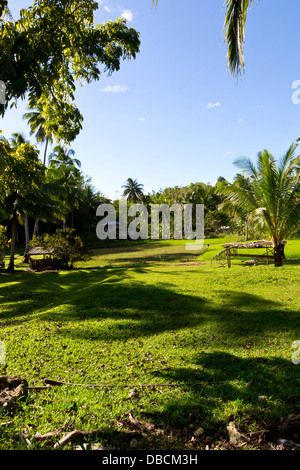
x: 66, y: 245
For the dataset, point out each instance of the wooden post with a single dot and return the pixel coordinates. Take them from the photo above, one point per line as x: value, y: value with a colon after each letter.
x: 267, y: 256
x: 228, y: 257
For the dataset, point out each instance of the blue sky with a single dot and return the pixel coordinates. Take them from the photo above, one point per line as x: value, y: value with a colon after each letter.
x: 175, y: 115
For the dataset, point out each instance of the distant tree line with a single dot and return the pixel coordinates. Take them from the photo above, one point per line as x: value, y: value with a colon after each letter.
x: 262, y: 201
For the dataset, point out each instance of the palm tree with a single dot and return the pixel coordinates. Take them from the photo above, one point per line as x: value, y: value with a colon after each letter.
x: 61, y: 155
x: 69, y: 182
x: 91, y: 198
x: 36, y: 122
x: 133, y: 190
x: 20, y: 181
x: 38, y: 205
x: 268, y: 194
x: 17, y: 139
x: 66, y: 171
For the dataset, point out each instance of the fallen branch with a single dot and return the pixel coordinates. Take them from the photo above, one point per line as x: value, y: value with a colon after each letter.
x: 49, y: 435
x: 39, y: 387
x: 257, y: 434
x: 76, y: 434
x: 139, y: 424
x: 52, y: 383
x: 259, y: 418
x: 68, y: 437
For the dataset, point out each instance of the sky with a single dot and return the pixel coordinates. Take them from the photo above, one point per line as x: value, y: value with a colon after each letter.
x: 174, y: 115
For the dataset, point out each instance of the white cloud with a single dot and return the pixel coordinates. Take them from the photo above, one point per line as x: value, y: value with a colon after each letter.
x: 142, y: 118
x: 127, y: 14
x: 115, y: 88
x: 214, y: 105
x: 240, y: 121
x: 106, y: 8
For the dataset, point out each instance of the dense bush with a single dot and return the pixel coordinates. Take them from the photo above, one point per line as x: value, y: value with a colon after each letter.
x: 66, y: 245
x: 4, y: 243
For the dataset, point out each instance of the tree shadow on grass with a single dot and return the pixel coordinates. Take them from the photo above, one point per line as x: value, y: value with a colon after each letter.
x: 292, y: 262
x: 27, y: 294
x: 155, y: 258
x: 120, y: 309
x: 136, y: 309
x: 260, y: 388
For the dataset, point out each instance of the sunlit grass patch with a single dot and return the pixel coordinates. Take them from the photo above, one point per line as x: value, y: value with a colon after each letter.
x: 189, y: 338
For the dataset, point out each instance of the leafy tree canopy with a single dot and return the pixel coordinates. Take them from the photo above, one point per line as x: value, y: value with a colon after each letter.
x: 22, y: 172
x: 54, y: 45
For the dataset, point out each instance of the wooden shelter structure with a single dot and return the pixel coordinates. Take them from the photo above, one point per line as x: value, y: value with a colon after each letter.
x: 48, y: 261
x: 232, y: 250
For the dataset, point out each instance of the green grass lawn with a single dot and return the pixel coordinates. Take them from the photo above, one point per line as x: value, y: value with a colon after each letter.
x: 194, y: 334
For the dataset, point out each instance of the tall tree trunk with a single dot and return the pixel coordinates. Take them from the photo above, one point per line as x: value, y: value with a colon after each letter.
x: 45, y: 153
x: 246, y: 232
x: 279, y: 254
x: 27, y: 238
x: 89, y: 224
x: 36, y: 228
x: 14, y: 226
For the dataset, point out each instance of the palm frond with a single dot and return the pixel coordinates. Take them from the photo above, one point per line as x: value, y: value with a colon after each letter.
x: 246, y: 165
x: 235, y: 21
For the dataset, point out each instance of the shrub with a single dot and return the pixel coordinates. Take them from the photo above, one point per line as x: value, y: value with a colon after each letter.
x: 4, y: 242
x: 66, y: 245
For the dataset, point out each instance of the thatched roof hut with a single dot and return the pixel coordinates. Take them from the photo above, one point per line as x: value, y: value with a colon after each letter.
x: 37, y: 251
x: 47, y: 262
x: 255, y: 244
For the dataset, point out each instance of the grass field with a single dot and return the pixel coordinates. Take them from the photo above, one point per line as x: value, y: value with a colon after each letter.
x: 197, y: 342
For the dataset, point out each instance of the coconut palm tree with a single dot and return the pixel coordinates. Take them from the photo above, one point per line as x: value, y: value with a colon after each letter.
x: 17, y: 139
x: 61, y: 155
x: 20, y: 181
x: 65, y: 170
x: 36, y: 122
x: 90, y: 199
x: 69, y: 182
x: 133, y: 190
x: 268, y: 194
